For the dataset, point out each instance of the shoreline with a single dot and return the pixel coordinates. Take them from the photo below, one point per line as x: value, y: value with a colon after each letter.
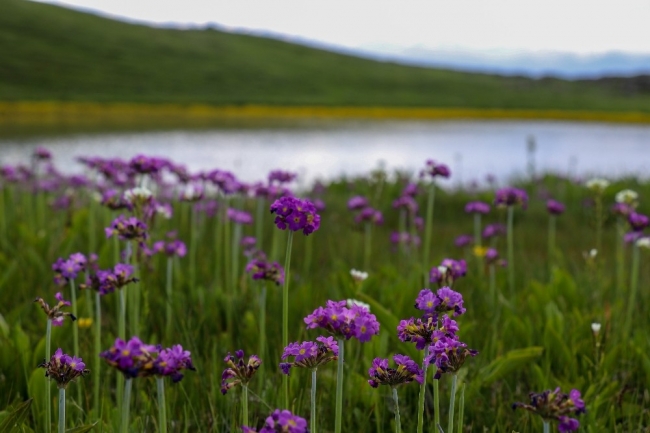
x: 70, y: 113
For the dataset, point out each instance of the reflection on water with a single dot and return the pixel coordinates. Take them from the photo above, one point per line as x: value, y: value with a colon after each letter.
x: 329, y: 149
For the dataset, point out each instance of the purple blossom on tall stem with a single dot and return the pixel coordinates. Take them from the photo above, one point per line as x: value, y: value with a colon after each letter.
x: 261, y: 269
x: 443, y: 301
x: 127, y: 229
x: 238, y: 371
x: 341, y: 321
x: 133, y: 358
x: 239, y: 216
x: 424, y: 332
x: 554, y: 207
x: 433, y: 169
x: 622, y: 209
x: 556, y: 406
x: 638, y: 222
x: 281, y: 176
x: 463, y: 241
x: 448, y: 355
x: 357, y: 202
x: 407, y: 371
x: 371, y: 215
x: 477, y: 207
x: 310, y: 354
x: 172, y: 361
x: 411, y: 189
x: 493, y: 230
x: 54, y: 313
x: 281, y: 421
x: 295, y: 214
x: 448, y: 272
x: 63, y: 368
x: 66, y: 270
x: 510, y: 196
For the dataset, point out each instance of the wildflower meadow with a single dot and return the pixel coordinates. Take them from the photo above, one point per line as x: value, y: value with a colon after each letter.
x: 139, y: 296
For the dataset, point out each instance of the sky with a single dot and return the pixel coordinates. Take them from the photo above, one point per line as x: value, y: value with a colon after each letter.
x: 494, y: 28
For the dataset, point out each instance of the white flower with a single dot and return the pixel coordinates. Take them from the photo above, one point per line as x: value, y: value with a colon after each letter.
x: 137, y: 194
x: 597, y: 184
x: 358, y: 275
x: 442, y: 269
x: 593, y: 252
x: 643, y: 242
x: 627, y: 196
x: 595, y: 327
x: 352, y: 302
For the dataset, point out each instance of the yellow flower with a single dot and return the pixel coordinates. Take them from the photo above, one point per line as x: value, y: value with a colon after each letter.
x: 85, y: 322
x: 480, y: 251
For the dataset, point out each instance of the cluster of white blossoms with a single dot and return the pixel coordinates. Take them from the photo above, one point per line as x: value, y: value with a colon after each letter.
x: 352, y: 302
x: 627, y: 196
x: 597, y: 184
x: 358, y: 276
x: 138, y: 193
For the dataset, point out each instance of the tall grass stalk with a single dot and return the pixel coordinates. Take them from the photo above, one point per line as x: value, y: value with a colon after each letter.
x: 423, y: 390
x: 634, y: 285
x: 126, y: 406
x: 461, y: 409
x: 620, y: 256
x: 312, y: 402
x: 168, y: 291
x: 244, y: 404
x: 367, y: 244
x: 493, y: 287
x: 48, y: 393
x: 599, y: 221
x: 262, y: 318
x: 478, y: 242
x: 552, y: 221
x: 436, y: 404
x: 61, y: 410
x: 75, y: 329
x: 162, y: 407
x: 511, y: 252
x: 285, y: 313
x: 428, y: 229
x: 338, y: 413
x: 398, y: 422
x: 259, y: 221
x: 236, y: 241
x: 547, y: 427
x: 452, y: 402
x: 97, y: 350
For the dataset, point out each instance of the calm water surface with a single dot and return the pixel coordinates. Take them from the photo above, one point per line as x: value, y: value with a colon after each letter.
x: 473, y: 149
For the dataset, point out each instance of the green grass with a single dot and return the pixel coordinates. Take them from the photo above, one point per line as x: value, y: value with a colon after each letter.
x: 541, y: 338
x: 52, y: 53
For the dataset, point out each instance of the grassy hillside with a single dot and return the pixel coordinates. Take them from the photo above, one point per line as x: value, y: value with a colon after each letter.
x: 51, y: 53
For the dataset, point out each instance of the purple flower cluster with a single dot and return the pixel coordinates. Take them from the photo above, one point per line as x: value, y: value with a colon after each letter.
x: 264, y: 270
x: 295, y: 214
x: 172, y: 248
x: 55, y: 314
x: 463, y: 241
x: 477, y: 207
x: 239, y: 216
x: 107, y: 281
x: 622, y: 209
x: 424, y: 332
x: 281, y: 177
x: 127, y: 228
x: 67, y: 270
x: 449, y: 271
x: 406, y: 202
x: 137, y: 359
x: 638, y: 222
x: 64, y: 368
x: 407, y: 371
x: 492, y: 258
x: 310, y: 354
x: 554, y: 207
x: 238, y: 372
x: 443, y: 301
x: 511, y: 196
x: 281, y: 421
x: 556, y: 406
x: 344, y: 322
x: 357, y: 202
x: 448, y: 354
x: 494, y: 230
x: 404, y: 238
x: 434, y: 169
x: 369, y: 214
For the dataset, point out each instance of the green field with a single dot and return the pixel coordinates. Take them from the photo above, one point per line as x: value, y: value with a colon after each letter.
x: 56, y: 54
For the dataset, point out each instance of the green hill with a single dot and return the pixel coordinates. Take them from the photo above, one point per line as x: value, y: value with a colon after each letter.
x: 53, y: 53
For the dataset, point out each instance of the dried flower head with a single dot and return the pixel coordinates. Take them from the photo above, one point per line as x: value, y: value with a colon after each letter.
x: 407, y: 371
x: 238, y: 372
x: 556, y: 406
x: 55, y: 314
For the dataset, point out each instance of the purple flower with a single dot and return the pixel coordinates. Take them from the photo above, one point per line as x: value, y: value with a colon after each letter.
x: 55, y: 314
x: 281, y: 177
x: 404, y: 238
x: 434, y: 169
x: 133, y: 358
x: 407, y: 371
x: 264, y: 270
x: 411, y: 189
x: 42, y: 153
x: 493, y: 230
x: 638, y: 221
x: 64, y: 368
x: 309, y: 354
x: 127, y: 228
x: 554, y: 207
x: 511, y: 196
x: 424, y: 332
x: 556, y: 406
x: 567, y: 424
x: 281, y: 421
x: 344, y: 322
x: 477, y: 207
x: 448, y: 354
x: 463, y: 241
x: 239, y: 217
x: 172, y: 361
x: 406, y: 202
x: 357, y: 202
x: 238, y: 372
x: 295, y: 214
x: 622, y: 209
x: 444, y: 300
x: 449, y: 271
x: 370, y: 215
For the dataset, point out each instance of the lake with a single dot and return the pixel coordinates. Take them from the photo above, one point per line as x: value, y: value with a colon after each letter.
x: 329, y: 149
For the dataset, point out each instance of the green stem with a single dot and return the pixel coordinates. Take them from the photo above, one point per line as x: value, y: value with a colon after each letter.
x: 477, y: 242
x: 262, y: 301
x: 428, y: 231
x: 192, y: 258
x: 436, y: 404
x: 98, y: 349
x: 285, y: 313
x: 339, y: 387
x: 423, y: 390
x: 452, y: 402
x: 620, y: 257
x: 461, y: 409
x: 312, y: 419
x: 547, y: 427
x: 367, y: 240
x: 48, y: 354
x: 236, y: 240
x: 126, y: 406
x: 493, y: 287
x: 599, y: 222
x: 61, y: 410
x: 168, y: 292
x: 259, y: 221
x: 75, y: 328
x: 634, y: 285
x: 551, y: 243
x: 398, y: 422
x: 244, y: 404
x: 162, y: 407
x: 121, y: 333
x: 402, y: 230
x: 511, y: 253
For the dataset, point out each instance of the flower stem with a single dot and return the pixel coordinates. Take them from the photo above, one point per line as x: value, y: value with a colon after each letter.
x: 428, y: 230
x: 48, y: 354
x: 162, y: 407
x: 551, y: 243
x: 126, y: 406
x: 61, y: 410
x: 244, y: 404
x: 436, y: 404
x: 236, y: 240
x: 262, y: 315
x: 477, y: 242
x: 339, y: 387
x: 285, y: 314
x: 511, y: 253
x: 192, y: 258
x: 398, y: 422
x: 634, y: 285
x: 312, y: 419
x: 493, y: 287
x: 75, y: 328
x: 620, y: 256
x: 168, y: 291
x: 367, y: 245
x: 452, y: 402
x: 461, y: 409
x: 423, y: 390
x: 259, y: 220
x: 547, y: 427
x: 98, y: 349
x: 121, y: 333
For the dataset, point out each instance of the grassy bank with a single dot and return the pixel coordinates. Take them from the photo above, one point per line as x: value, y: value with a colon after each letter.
x: 55, y: 54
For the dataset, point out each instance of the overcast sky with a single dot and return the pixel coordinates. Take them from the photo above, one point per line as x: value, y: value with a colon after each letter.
x: 500, y: 26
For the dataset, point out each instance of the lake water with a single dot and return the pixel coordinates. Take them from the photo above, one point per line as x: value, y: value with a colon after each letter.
x: 328, y: 149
